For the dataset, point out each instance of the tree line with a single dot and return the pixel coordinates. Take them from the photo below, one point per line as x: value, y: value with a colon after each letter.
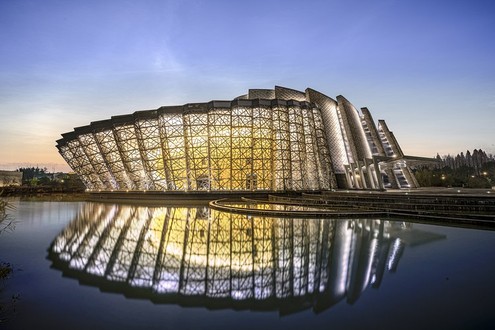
x: 41, y: 178
x: 470, y: 170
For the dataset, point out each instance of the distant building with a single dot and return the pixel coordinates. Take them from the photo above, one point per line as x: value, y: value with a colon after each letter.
x: 269, y: 139
x: 10, y: 178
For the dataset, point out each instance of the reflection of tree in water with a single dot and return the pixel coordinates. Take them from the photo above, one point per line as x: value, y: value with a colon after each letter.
x: 7, y: 304
x: 6, y: 220
x: 202, y: 257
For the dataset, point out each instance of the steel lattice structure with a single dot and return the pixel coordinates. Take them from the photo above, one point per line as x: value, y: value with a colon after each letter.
x: 271, y: 140
x: 217, y: 256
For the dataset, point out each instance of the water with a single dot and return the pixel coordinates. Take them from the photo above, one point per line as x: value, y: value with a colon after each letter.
x: 99, y: 266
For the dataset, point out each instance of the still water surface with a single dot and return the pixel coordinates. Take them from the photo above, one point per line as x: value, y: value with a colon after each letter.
x: 89, y: 265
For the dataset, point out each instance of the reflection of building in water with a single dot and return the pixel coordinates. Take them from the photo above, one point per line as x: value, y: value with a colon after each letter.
x: 228, y: 260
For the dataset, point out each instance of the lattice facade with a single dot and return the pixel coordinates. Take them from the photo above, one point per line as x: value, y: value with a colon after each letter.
x: 269, y: 140
x: 217, y: 256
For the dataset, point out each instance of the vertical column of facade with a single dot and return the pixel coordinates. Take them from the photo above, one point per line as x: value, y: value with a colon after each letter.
x: 197, y: 153
x: 338, y: 270
x: 90, y: 146
x: 311, y: 149
x: 125, y: 136
x: 127, y: 248
x: 68, y: 156
x: 144, y: 271
x: 282, y: 173
x: 263, y: 256
x: 411, y: 178
x: 327, y: 258
x: 106, y: 246
x: 161, y: 233
x: 242, y: 152
x: 110, y: 152
x: 174, y: 150
x: 300, y: 243
x: 406, y: 170
x: 375, y: 145
x: 334, y: 135
x: 389, y: 150
x: 314, y: 253
x: 75, y: 230
x: 346, y: 137
x: 241, y: 257
x: 262, y: 147
x: 81, y: 247
x: 150, y: 145
x: 195, y: 255
x: 355, y: 133
x: 362, y: 260
x: 374, y: 137
x: 219, y: 258
x: 117, y: 265
x: 402, y: 175
x: 220, y: 147
x: 357, y: 141
x: 284, y: 258
x: 168, y: 277
x: 80, y: 239
x: 325, y: 168
x: 297, y: 147
x: 393, y: 180
x: 370, y: 172
x: 83, y: 165
x: 361, y: 177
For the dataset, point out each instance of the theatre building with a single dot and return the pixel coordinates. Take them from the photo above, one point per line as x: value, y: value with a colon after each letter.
x: 267, y: 140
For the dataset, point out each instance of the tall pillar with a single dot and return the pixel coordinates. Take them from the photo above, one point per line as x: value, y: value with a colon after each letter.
x: 364, y: 184
x: 347, y: 175
x: 369, y: 170
x: 378, y: 173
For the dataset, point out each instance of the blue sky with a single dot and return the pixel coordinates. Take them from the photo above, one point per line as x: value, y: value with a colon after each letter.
x: 426, y: 67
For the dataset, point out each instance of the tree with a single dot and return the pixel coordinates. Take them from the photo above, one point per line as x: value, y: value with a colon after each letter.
x: 29, y: 173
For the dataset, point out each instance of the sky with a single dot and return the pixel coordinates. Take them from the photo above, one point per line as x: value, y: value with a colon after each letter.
x: 426, y: 67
